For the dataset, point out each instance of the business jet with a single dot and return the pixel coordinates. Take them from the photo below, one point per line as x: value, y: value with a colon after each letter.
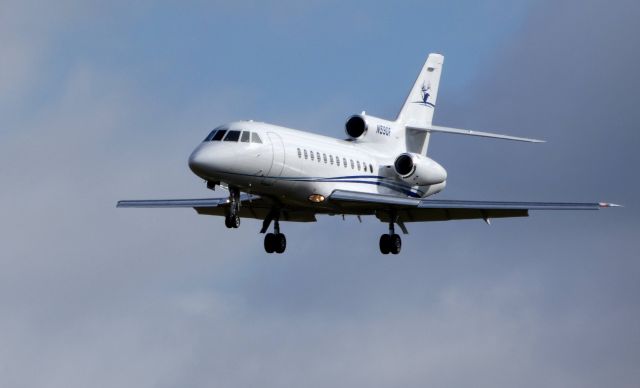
x: 381, y: 169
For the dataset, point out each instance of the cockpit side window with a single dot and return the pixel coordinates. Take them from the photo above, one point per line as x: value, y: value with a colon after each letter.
x: 211, y: 134
x: 232, y: 136
x: 255, y: 138
x: 245, y: 136
x: 219, y: 135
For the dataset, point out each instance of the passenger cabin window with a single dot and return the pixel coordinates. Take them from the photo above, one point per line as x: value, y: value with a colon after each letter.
x: 219, y: 135
x: 338, y: 161
x: 331, y: 159
x: 324, y: 157
x: 352, y: 165
x: 246, y: 135
x: 299, y: 154
x: 344, y: 160
x: 255, y: 138
x: 318, y: 156
x: 311, y: 154
x: 370, y: 168
x: 305, y: 154
x: 232, y: 136
x: 358, y: 164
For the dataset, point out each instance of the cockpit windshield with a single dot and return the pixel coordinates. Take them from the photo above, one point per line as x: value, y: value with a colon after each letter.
x: 232, y: 136
x: 219, y: 133
x: 214, y: 132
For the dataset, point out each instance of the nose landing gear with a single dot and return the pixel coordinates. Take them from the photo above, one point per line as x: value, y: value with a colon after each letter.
x: 232, y: 219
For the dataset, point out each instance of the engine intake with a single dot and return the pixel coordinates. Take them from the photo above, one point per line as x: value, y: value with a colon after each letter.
x: 356, y: 126
x: 419, y: 170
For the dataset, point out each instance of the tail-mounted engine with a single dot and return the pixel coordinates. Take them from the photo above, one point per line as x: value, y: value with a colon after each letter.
x: 356, y: 127
x: 419, y: 170
x: 371, y: 129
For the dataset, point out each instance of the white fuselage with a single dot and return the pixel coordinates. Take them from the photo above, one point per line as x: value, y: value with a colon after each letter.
x: 291, y: 165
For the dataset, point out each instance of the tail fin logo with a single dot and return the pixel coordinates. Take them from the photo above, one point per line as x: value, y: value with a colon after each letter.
x: 425, y: 93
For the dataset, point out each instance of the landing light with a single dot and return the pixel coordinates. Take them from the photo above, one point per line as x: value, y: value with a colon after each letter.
x: 317, y: 198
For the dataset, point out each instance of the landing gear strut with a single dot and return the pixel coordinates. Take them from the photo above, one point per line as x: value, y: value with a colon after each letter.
x: 232, y: 219
x: 275, y: 242
x: 390, y: 243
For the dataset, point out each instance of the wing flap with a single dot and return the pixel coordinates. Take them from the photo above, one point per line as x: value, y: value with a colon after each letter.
x: 378, y: 199
x: 427, y: 215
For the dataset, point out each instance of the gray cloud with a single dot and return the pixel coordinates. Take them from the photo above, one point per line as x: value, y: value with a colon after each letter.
x: 91, y: 295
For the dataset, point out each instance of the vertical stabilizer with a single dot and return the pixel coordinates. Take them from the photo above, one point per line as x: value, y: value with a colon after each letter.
x: 418, y: 109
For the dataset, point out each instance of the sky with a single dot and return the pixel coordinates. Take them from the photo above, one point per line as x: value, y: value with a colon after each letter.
x: 101, y: 101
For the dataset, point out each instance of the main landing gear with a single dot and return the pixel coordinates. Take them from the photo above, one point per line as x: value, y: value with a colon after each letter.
x: 275, y: 242
x: 390, y: 243
x: 232, y: 219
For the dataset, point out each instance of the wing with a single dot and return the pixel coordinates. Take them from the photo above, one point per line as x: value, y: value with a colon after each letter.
x: 252, y: 206
x: 415, y: 210
x: 173, y: 203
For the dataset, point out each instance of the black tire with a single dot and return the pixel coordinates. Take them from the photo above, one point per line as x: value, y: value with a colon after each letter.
x: 280, y: 243
x: 385, y: 244
x: 269, y: 245
x: 227, y: 222
x: 395, y: 244
x: 235, y: 221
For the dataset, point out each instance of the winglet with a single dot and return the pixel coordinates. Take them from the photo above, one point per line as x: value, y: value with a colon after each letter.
x: 605, y: 204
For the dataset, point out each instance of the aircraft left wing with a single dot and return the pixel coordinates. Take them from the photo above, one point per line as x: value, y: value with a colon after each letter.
x: 252, y: 206
x: 173, y: 203
x: 417, y: 209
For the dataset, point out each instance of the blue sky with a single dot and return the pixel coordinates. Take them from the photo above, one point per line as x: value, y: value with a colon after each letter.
x: 100, y: 102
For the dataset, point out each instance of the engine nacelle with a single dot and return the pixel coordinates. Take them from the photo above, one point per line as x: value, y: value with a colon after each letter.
x: 373, y: 128
x: 419, y: 170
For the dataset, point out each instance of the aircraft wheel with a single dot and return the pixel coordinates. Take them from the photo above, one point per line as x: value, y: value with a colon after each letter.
x: 395, y: 243
x: 385, y: 244
x: 232, y: 221
x: 269, y: 242
x: 280, y: 243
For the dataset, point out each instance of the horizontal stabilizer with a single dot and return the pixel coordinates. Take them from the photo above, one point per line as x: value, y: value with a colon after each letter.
x: 457, y: 131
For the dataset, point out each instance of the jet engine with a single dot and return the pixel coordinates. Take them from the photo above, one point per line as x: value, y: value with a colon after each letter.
x: 373, y: 128
x: 419, y: 170
x: 356, y: 126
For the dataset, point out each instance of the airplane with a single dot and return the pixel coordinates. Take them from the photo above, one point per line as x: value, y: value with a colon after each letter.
x: 274, y: 174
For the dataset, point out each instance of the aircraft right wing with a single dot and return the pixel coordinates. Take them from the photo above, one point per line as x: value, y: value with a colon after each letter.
x: 418, y: 209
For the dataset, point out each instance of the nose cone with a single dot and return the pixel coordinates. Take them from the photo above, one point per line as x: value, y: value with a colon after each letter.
x: 198, y: 162
x: 208, y: 161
